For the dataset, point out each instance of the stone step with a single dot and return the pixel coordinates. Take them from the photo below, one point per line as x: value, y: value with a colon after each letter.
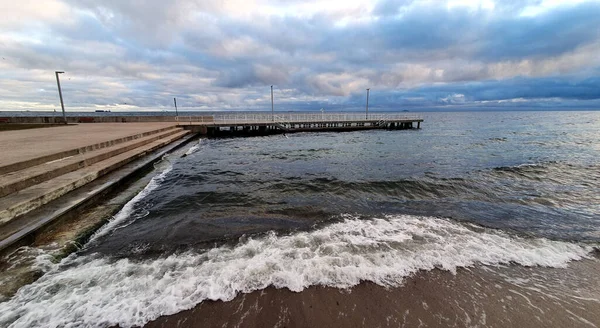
x: 18, y: 180
x: 35, y: 196
x: 75, y: 151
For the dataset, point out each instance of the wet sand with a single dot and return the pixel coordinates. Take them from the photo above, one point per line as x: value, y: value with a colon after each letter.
x: 508, y: 296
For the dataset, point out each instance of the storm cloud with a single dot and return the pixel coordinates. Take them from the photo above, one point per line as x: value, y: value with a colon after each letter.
x: 417, y: 54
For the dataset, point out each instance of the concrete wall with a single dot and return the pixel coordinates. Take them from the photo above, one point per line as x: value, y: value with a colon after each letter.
x: 106, y: 119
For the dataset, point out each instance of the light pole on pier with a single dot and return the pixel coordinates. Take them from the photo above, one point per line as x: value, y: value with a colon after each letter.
x: 176, y: 112
x: 62, y: 105
x: 272, y: 111
x: 367, y: 111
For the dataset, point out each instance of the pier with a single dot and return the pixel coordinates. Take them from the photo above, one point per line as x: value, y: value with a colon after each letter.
x: 264, y: 124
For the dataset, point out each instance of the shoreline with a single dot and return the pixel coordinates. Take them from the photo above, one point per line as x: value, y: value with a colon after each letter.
x: 486, y: 296
x: 66, y: 236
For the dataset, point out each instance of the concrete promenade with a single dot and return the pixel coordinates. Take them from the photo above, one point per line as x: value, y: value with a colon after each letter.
x: 23, y: 145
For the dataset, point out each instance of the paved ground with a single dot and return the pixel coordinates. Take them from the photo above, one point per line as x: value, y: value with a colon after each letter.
x: 21, y: 145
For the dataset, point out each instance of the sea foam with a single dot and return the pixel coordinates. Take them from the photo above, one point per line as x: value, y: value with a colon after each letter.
x: 94, y: 290
x: 194, y: 148
x: 123, y: 218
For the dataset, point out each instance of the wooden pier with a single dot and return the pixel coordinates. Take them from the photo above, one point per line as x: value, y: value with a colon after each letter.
x: 264, y: 124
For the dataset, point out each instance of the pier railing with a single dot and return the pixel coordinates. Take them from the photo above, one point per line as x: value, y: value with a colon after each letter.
x: 312, y: 117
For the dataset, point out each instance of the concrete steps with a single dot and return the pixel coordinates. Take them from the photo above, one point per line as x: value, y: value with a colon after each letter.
x: 76, y: 151
x: 14, y: 181
x: 35, y: 185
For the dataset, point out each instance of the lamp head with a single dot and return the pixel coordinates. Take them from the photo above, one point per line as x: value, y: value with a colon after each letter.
x: 59, y: 72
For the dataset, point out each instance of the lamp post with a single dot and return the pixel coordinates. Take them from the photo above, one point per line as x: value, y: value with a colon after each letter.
x: 367, y: 111
x: 272, y: 111
x: 176, y: 113
x: 62, y: 105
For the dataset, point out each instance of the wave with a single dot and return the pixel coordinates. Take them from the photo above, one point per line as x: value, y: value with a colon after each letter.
x: 567, y: 174
x: 421, y: 188
x: 479, y: 184
x: 124, y: 217
x: 526, y: 168
x: 547, y: 166
x: 194, y: 148
x: 94, y: 291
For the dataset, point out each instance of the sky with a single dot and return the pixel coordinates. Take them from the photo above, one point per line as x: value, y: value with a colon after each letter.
x: 138, y: 55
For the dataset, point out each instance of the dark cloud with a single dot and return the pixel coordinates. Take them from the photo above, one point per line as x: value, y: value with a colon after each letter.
x: 550, y: 34
x: 553, y: 91
x: 247, y: 76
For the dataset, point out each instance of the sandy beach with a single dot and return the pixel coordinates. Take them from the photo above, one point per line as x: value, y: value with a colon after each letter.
x: 508, y: 296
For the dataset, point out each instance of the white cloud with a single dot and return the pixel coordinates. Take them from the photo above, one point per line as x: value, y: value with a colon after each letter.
x: 25, y: 13
x: 545, y: 6
x: 471, y: 4
x: 456, y: 98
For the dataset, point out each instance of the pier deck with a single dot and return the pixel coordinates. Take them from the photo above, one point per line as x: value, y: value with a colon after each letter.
x: 284, y: 123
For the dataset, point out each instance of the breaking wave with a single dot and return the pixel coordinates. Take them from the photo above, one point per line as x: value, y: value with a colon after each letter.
x: 194, y: 148
x: 95, y: 290
x: 124, y: 216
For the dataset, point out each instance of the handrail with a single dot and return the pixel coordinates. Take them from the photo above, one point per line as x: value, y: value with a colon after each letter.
x: 306, y: 117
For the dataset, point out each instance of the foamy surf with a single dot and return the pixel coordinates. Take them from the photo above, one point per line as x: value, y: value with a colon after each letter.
x: 123, y: 217
x: 95, y: 291
x: 194, y: 148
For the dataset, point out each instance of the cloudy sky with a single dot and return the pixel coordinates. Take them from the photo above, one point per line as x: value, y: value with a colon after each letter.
x: 225, y: 54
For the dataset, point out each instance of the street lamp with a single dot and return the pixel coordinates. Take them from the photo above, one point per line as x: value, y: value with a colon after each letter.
x: 62, y: 105
x: 272, y: 111
x: 367, y: 112
x: 176, y: 112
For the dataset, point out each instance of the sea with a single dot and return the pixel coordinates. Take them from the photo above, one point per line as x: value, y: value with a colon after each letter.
x: 476, y: 219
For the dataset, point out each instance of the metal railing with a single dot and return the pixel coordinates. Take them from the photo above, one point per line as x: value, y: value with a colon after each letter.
x: 195, y: 119
x: 312, y: 117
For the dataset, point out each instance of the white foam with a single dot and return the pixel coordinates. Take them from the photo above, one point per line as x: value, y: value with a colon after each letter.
x: 194, y: 148
x: 91, y: 291
x: 123, y: 217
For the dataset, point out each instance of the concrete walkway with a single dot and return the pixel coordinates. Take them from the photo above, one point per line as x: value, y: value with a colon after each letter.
x: 22, y: 145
